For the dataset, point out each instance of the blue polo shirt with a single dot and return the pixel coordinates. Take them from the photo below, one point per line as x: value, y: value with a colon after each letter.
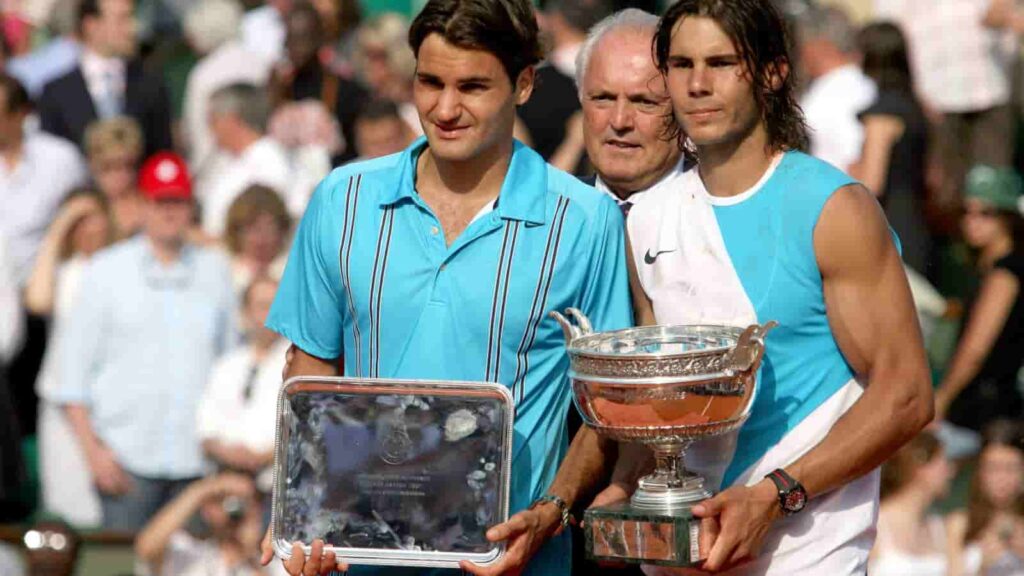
x: 370, y: 277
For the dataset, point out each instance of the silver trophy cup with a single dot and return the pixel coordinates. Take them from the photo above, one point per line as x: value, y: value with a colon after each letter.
x: 663, y: 387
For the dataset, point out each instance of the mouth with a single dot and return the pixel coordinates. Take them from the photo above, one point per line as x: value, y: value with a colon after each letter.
x: 703, y: 114
x: 450, y: 132
x: 621, y: 144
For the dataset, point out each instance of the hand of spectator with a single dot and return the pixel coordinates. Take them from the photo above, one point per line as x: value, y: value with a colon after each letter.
x: 107, y: 473
x: 524, y: 532
x: 735, y: 523
x: 229, y: 484
x: 74, y: 210
x: 298, y: 564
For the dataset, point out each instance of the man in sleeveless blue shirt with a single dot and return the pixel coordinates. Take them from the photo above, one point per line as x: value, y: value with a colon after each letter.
x: 443, y: 262
x: 758, y: 232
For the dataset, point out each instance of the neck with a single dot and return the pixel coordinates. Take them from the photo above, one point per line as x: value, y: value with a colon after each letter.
x: 98, y: 52
x: 912, y: 501
x: 167, y: 251
x: 996, y: 250
x: 11, y: 150
x: 477, y: 177
x: 729, y: 169
x: 243, y: 141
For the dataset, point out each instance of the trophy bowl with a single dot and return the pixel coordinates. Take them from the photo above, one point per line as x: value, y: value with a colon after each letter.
x: 663, y: 387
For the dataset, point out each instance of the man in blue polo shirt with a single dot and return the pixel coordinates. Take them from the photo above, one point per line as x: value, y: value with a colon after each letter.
x: 443, y: 262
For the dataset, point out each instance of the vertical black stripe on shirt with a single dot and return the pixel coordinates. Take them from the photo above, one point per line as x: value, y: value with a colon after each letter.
x: 347, y: 269
x: 520, y: 353
x: 504, y: 301
x: 373, y: 290
x: 341, y: 252
x: 380, y: 290
x: 494, y: 300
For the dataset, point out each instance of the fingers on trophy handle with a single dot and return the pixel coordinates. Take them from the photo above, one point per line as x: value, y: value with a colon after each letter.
x: 581, y: 327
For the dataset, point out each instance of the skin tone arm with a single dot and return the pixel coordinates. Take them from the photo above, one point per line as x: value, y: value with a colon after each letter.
x: 40, y: 288
x: 881, y: 132
x: 107, y: 473
x: 237, y: 456
x: 152, y: 541
x: 995, y: 300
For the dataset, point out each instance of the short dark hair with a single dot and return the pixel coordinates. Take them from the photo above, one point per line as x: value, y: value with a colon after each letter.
x: 759, y: 33
x: 17, y: 97
x: 378, y: 109
x: 87, y: 9
x: 505, y: 28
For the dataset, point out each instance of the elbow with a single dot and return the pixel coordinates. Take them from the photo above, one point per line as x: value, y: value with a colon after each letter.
x: 145, y: 549
x: 913, y: 406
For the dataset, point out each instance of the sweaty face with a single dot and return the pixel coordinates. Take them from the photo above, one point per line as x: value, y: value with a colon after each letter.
x: 625, y: 108
x: 465, y: 100
x: 711, y: 90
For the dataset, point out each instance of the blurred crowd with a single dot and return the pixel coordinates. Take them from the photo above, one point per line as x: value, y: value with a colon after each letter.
x: 155, y: 157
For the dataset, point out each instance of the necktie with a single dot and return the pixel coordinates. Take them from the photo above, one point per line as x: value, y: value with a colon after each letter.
x: 109, y: 103
x: 625, y: 206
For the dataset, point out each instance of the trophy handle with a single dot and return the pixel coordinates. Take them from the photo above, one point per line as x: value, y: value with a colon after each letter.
x: 582, y: 327
x: 749, y: 350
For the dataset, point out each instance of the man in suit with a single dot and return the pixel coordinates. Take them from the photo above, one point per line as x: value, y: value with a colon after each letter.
x: 107, y: 81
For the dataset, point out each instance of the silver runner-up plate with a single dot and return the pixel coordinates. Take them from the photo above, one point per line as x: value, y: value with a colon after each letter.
x: 392, y: 472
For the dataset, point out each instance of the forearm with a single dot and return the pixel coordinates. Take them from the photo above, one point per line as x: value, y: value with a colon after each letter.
x: 962, y: 370
x: 78, y: 417
x: 39, y: 290
x: 303, y: 364
x: 585, y: 469
x: 893, y: 408
x: 152, y: 541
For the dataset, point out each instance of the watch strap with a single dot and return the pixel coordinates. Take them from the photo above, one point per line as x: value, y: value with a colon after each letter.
x: 563, y: 508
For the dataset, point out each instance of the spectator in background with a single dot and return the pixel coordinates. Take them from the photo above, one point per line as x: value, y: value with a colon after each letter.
x: 263, y: 28
x: 625, y: 107
x: 305, y: 77
x: 386, y: 65
x: 153, y: 314
x: 987, y: 538
x: 12, y: 324
x: 911, y: 540
x: 107, y: 81
x: 82, y: 228
x: 256, y: 235
x: 980, y: 383
x: 238, y: 122
x: 114, y: 150
x: 238, y: 408
x: 838, y: 90
x: 554, y: 100
x: 212, y: 30
x: 228, y: 505
x: 962, y: 69
x: 12, y: 329
x: 54, y: 58
x: 31, y: 184
x: 340, y: 19
x: 895, y: 151
x: 380, y: 130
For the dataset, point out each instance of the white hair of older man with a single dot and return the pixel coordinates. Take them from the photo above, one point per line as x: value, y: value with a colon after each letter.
x: 628, y: 19
x: 211, y: 23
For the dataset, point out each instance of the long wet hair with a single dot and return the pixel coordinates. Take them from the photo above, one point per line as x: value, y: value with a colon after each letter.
x: 759, y: 33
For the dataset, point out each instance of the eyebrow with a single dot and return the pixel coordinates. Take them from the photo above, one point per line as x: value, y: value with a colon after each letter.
x: 471, y: 79
x: 718, y: 56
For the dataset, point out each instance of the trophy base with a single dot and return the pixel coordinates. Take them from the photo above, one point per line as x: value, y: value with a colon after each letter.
x: 621, y: 532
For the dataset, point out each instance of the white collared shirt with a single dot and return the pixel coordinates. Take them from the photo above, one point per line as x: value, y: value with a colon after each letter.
x: 31, y: 193
x: 669, y: 180
x: 104, y: 77
x: 831, y: 105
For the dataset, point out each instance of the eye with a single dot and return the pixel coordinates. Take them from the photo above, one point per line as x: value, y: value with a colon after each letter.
x: 429, y: 81
x: 472, y: 87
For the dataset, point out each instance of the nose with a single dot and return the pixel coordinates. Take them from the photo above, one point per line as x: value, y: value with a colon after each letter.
x: 622, y: 116
x: 449, y: 106
x: 699, y: 82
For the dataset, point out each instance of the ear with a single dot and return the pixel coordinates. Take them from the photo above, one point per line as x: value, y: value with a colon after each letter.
x: 524, y: 85
x: 777, y: 74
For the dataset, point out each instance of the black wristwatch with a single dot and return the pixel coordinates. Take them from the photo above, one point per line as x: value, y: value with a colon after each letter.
x: 792, y: 496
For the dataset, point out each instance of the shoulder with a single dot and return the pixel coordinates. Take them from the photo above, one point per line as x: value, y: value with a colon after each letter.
x: 1013, y: 263
x: 361, y: 176
x: 114, y: 258
x: 54, y: 147
x: 62, y: 82
x: 591, y: 203
x: 851, y: 232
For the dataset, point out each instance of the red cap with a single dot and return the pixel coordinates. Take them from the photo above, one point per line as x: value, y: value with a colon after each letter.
x: 164, y: 176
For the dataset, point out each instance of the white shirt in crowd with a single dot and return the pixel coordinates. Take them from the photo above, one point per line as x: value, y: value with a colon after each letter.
x: 105, y: 80
x: 959, y: 65
x: 264, y: 162
x: 230, y: 63
x: 31, y: 193
x: 831, y: 105
x: 12, y: 326
x: 187, y: 555
x: 239, y: 404
x: 263, y: 31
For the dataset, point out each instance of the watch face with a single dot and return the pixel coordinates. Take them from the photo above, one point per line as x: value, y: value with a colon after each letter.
x: 795, y: 501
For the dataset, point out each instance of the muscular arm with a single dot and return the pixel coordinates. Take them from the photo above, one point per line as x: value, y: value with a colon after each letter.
x: 871, y: 313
